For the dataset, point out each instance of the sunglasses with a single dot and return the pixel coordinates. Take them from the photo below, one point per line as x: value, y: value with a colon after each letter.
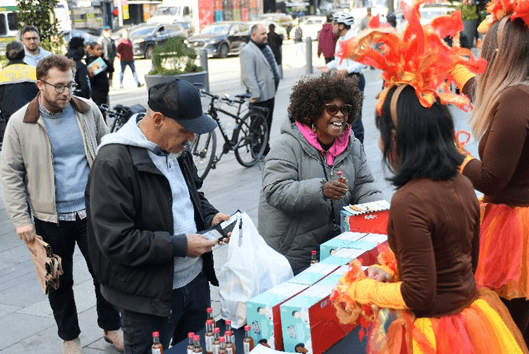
x: 333, y: 109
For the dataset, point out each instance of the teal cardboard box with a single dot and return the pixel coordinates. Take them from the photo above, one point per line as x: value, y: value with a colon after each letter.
x: 309, y: 321
x: 313, y: 274
x: 346, y: 255
x: 263, y: 313
x: 344, y: 240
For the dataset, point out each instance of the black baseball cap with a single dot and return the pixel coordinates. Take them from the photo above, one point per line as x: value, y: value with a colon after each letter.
x: 179, y: 100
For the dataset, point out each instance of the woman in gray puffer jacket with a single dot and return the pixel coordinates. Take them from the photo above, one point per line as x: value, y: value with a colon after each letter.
x: 301, y: 197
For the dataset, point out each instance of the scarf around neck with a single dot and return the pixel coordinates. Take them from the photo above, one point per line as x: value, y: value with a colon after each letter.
x: 339, y: 145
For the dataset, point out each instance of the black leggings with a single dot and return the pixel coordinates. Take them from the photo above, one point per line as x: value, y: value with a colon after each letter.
x: 519, y: 310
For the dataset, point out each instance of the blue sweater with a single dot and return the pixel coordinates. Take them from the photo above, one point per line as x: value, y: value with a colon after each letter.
x: 69, y: 159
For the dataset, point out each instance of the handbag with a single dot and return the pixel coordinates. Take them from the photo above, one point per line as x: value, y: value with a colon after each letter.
x: 252, y: 268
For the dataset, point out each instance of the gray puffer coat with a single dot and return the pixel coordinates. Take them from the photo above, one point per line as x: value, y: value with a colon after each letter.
x: 294, y: 216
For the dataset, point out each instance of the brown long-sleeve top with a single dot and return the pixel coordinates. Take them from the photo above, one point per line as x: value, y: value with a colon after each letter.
x: 502, y: 174
x: 433, y: 230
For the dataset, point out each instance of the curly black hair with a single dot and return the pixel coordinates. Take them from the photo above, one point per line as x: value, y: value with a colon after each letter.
x: 309, y: 96
x: 76, y: 43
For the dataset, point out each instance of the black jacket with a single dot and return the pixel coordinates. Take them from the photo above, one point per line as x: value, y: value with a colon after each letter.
x: 130, y: 228
x: 15, y: 94
x: 275, y: 41
x: 109, y: 48
x: 82, y: 79
x: 100, y: 84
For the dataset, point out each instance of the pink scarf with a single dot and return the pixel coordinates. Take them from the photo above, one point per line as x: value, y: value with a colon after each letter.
x: 339, y: 145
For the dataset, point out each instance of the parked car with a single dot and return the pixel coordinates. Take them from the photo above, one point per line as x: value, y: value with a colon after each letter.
x: 311, y: 26
x: 282, y: 19
x: 222, y: 38
x: 88, y: 38
x: 265, y: 23
x: 188, y: 26
x: 144, y: 38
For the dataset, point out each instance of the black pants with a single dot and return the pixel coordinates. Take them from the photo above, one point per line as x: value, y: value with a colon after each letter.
x: 188, y: 306
x: 62, y: 239
x: 328, y: 60
x: 519, y: 310
x: 358, y: 126
x: 270, y: 105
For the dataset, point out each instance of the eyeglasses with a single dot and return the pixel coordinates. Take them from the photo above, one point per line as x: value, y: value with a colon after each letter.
x: 333, y: 109
x: 59, y: 88
x: 31, y: 38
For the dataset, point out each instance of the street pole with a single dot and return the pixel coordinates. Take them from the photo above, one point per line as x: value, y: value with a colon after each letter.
x: 204, y: 64
x: 120, y: 13
x: 308, y: 55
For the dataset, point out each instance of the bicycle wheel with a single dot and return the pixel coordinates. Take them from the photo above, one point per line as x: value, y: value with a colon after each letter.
x: 251, y: 136
x: 203, y: 151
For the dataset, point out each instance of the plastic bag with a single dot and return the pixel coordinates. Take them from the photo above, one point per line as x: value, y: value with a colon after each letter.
x: 252, y: 268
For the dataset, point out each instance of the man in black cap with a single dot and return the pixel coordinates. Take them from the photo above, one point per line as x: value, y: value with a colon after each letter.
x: 145, y: 212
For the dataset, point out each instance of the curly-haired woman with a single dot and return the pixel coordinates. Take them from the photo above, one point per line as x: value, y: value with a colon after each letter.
x: 301, y: 197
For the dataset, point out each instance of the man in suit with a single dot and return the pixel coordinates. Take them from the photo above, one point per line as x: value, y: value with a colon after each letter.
x: 259, y: 73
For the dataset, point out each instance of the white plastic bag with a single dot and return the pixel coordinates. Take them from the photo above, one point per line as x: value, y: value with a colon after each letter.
x: 252, y: 268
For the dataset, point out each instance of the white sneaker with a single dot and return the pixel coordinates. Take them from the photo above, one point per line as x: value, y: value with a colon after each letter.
x: 72, y: 346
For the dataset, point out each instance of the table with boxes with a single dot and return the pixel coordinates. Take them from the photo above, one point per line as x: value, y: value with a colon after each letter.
x: 298, y: 316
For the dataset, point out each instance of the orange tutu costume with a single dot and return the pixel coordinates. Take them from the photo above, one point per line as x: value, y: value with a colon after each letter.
x: 503, y: 252
x: 483, y: 327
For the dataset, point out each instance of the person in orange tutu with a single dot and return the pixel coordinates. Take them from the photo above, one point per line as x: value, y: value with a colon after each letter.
x: 427, y: 275
x: 501, y: 120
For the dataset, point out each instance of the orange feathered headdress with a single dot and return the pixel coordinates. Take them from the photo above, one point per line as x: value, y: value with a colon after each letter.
x: 418, y: 56
x: 499, y: 9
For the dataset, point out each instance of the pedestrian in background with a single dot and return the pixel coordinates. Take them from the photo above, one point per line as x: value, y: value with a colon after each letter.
x: 327, y: 41
x: 275, y: 41
x: 109, y: 49
x: 17, y: 84
x: 49, y: 147
x: 126, y: 57
x: 260, y: 74
x: 145, y: 212
x: 31, y: 40
x: 298, y: 41
x: 365, y: 21
x: 99, y: 82
x: 342, y: 27
x: 76, y: 52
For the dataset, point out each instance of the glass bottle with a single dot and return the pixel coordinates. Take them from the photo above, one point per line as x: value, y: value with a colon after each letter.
x: 230, y: 346
x: 216, y: 343
x: 209, y: 336
x: 191, y: 345
x: 209, y: 310
x: 156, y: 345
x: 198, y: 347
x: 341, y: 178
x: 313, y: 258
x: 248, y: 340
x: 222, y: 343
x: 230, y: 328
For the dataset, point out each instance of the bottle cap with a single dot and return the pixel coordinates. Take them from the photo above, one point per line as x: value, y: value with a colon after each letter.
x: 209, y: 322
x: 222, y: 339
x: 228, y: 321
x: 228, y: 333
x: 196, y: 337
x: 209, y: 310
x: 155, y: 334
x: 247, y: 328
x: 191, y: 335
x: 216, y: 330
x: 339, y: 173
x: 313, y: 252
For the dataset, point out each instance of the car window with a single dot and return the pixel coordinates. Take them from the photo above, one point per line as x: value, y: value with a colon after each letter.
x: 12, y: 21
x: 144, y: 31
x: 3, y: 27
x: 216, y: 29
x: 245, y: 29
x: 176, y: 28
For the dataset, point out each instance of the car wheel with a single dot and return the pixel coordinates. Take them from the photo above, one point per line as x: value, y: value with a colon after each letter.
x: 148, y: 51
x: 223, y: 51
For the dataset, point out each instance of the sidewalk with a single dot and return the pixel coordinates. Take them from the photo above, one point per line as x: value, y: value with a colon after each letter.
x: 26, y: 320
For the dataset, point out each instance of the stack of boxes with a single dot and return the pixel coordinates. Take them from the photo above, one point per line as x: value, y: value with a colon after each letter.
x: 299, y: 314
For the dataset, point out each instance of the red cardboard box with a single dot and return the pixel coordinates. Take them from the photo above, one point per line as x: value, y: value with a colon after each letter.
x: 369, y: 217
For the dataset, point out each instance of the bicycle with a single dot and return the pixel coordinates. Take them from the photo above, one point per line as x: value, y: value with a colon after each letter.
x: 248, y: 140
x: 119, y: 115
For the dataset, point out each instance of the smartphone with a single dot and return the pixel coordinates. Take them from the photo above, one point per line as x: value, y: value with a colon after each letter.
x: 220, y: 231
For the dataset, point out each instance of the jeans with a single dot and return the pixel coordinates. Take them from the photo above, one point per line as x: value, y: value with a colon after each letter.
x: 358, y: 126
x: 123, y: 67
x: 62, y: 239
x: 188, y: 314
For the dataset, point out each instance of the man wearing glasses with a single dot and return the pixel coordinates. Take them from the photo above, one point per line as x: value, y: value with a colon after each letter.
x: 49, y: 147
x: 31, y: 40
